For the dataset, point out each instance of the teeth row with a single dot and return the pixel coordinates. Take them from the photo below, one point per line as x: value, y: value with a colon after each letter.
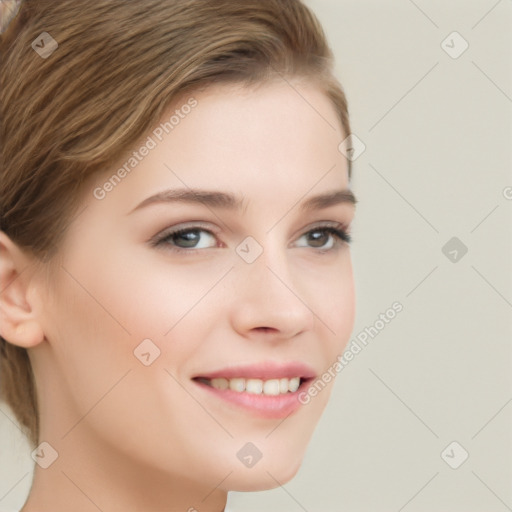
x: 257, y: 386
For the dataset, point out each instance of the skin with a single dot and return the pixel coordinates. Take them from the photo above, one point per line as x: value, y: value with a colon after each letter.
x: 136, y: 438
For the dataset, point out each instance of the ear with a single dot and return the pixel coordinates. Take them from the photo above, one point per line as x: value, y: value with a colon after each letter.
x: 19, y: 323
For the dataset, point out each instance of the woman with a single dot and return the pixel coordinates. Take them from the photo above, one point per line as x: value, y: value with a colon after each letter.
x: 174, y: 246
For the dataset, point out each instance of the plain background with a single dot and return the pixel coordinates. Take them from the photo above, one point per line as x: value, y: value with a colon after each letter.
x: 437, y: 164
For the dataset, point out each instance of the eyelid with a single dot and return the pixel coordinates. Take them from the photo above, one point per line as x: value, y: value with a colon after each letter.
x: 323, y: 224
x: 215, y: 231
x: 184, y: 226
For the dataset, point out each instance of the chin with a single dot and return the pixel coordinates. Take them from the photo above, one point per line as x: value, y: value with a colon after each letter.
x: 281, y: 459
x: 280, y: 454
x: 264, y: 478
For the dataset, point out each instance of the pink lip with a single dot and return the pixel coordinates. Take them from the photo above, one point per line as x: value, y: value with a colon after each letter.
x: 264, y: 371
x: 263, y: 406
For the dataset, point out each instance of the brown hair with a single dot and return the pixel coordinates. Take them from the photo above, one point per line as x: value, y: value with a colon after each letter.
x: 118, y: 66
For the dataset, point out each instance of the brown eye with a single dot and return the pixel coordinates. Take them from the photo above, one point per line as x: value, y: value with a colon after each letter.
x: 325, y: 238
x: 318, y: 238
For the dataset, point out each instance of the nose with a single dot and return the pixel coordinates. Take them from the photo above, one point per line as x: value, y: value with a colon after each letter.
x: 268, y: 300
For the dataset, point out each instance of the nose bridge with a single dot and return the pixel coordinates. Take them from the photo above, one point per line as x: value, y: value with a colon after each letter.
x: 269, y: 270
x: 267, y: 295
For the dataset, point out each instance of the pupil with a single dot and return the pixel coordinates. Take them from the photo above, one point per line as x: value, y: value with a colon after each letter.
x: 187, y: 238
x: 318, y: 238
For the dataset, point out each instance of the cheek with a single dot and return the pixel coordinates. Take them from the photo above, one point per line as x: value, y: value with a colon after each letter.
x: 105, y: 388
x: 334, y: 299
x: 151, y: 295
x: 91, y: 341
x: 105, y: 305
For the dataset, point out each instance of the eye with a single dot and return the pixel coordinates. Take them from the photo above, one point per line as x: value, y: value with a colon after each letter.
x: 324, y: 237
x: 187, y: 238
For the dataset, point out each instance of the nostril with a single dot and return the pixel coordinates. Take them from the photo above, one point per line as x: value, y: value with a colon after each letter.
x: 265, y: 329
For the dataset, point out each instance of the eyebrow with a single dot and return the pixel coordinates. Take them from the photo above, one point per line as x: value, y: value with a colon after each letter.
x: 325, y: 200
x: 223, y: 200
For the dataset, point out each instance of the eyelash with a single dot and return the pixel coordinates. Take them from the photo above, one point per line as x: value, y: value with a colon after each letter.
x: 338, y: 231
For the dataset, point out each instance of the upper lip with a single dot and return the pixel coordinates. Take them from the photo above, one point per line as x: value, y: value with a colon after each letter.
x: 265, y: 371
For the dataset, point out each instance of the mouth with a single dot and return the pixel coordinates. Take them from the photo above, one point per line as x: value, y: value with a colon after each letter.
x: 271, y: 387
x: 267, y: 390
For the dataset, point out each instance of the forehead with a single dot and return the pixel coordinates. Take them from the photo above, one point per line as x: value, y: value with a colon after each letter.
x: 275, y: 123
x: 271, y: 140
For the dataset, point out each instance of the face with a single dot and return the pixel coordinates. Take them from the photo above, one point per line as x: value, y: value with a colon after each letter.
x: 200, y: 289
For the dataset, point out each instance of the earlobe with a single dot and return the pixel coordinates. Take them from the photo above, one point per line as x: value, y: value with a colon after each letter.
x: 19, y: 323
x: 25, y: 334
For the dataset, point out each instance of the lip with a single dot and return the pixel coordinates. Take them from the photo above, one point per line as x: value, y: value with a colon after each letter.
x: 264, y: 371
x: 259, y: 405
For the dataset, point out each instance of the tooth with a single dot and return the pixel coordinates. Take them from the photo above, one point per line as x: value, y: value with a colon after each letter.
x: 220, y: 383
x: 254, y: 386
x: 294, y: 384
x: 237, y: 385
x: 283, y: 385
x: 271, y: 387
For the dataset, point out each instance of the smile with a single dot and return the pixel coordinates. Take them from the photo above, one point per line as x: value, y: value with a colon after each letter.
x: 270, y: 387
x: 267, y: 390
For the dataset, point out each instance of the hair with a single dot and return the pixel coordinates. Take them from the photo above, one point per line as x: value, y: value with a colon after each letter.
x: 118, y: 66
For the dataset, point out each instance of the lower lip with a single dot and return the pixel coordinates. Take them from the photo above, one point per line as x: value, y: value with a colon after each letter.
x: 264, y: 406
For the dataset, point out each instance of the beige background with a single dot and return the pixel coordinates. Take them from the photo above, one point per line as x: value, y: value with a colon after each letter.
x: 437, y: 165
